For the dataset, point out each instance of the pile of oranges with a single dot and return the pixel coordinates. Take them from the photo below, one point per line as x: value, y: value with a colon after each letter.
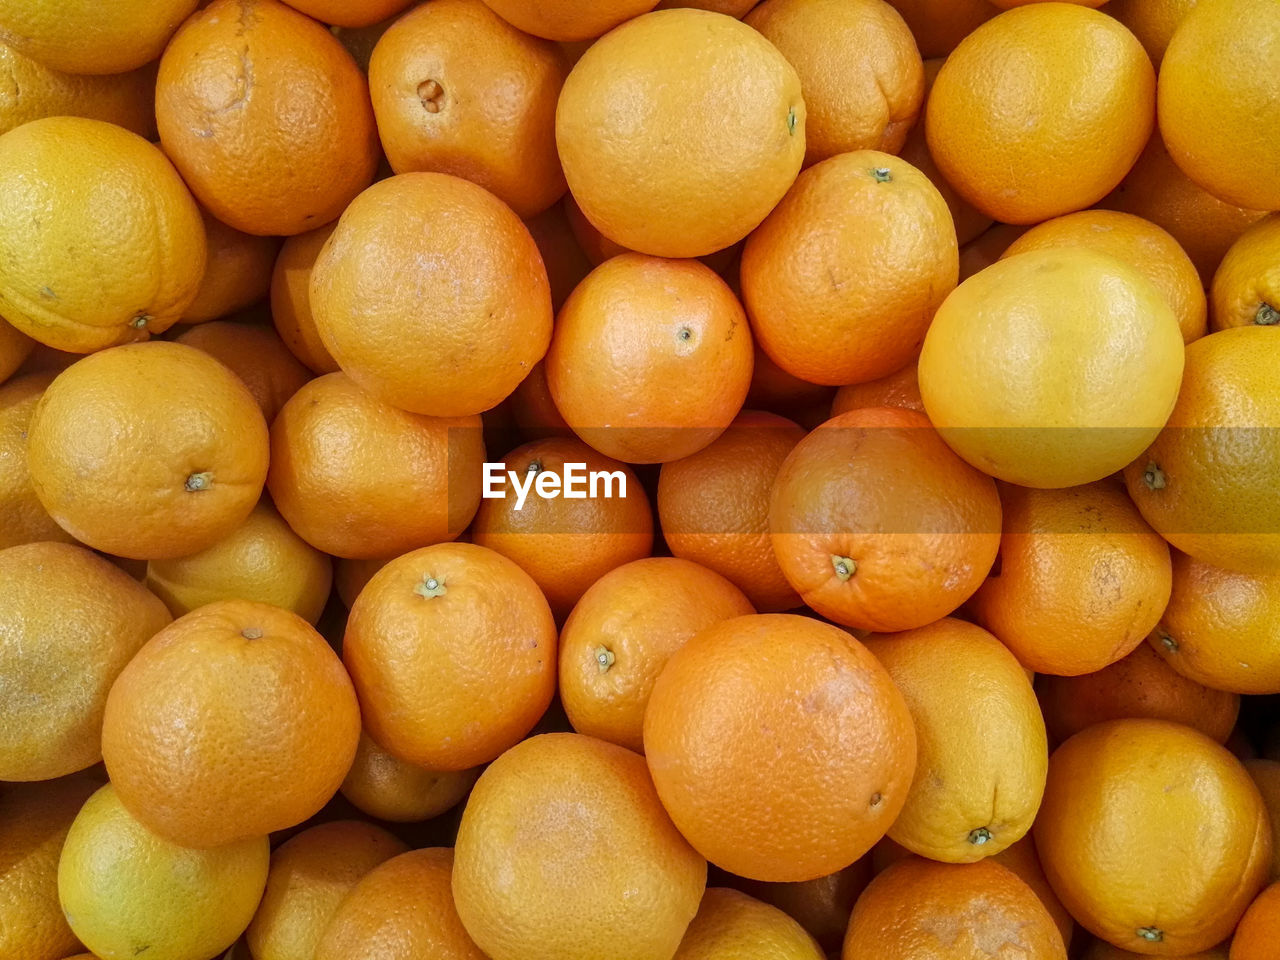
x: 924, y: 359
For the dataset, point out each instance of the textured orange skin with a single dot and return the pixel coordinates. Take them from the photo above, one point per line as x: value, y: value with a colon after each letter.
x: 1255, y: 937
x: 1150, y: 249
x: 237, y: 272
x: 213, y: 735
x: 939, y: 25
x: 70, y: 622
x: 730, y: 923
x: 1058, y: 92
x: 1021, y: 858
x: 485, y: 648
x: 1219, y: 455
x: 247, y: 88
x: 15, y: 347
x: 82, y: 36
x: 1150, y: 825
x: 779, y: 745
x: 34, y: 820
x: 402, y: 480
x: 23, y: 519
x: 982, y: 752
x: 714, y: 506
x: 257, y: 356
x: 350, y: 13
x: 1212, y: 102
x: 431, y: 295
x: 1082, y: 578
x: 625, y: 376
x: 822, y: 308
x: 118, y: 437
x: 291, y: 298
x: 917, y: 908
x: 1246, y: 286
x: 1153, y: 22
x: 650, y: 129
x: 565, y: 853
x: 901, y: 389
x: 566, y: 545
x: 730, y: 8
x: 568, y: 19
x: 495, y: 116
x: 1266, y: 774
x: 861, y: 73
x: 640, y: 614
x: 388, y: 788
x: 597, y: 247
x: 1139, y: 685
x: 821, y: 906
x: 879, y: 487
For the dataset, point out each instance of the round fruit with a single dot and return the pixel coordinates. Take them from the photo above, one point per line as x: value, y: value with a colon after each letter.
x: 1153, y: 22
x: 730, y: 923
x: 116, y: 201
x: 652, y: 129
x: 754, y: 707
x: 878, y: 525
x: 843, y: 277
x: 533, y: 409
x: 820, y: 906
x: 255, y: 355
x: 1021, y: 858
x: 69, y: 622
x: 233, y: 721
x: 1052, y: 368
x: 982, y: 752
x: 23, y: 519
x: 564, y: 258
x: 939, y: 25
x: 150, y: 450
x: 431, y: 295
x: 82, y: 36
x: 456, y: 89
x: 568, y: 19
x: 1068, y: 108
x: 901, y: 389
x: 237, y: 272
x: 266, y: 116
x: 1213, y: 102
x: 127, y: 891
x: 350, y: 13
x: 15, y: 348
x: 428, y: 621
x: 1246, y: 287
x: 310, y: 874
x: 291, y: 298
x: 1153, y: 836
x: 1266, y: 774
x: 404, y: 479
x: 861, y: 73
x: 1010, y: 4
x: 730, y: 8
x: 1255, y: 937
x: 651, y: 359
x: 537, y: 878
x: 1205, y: 482
x: 388, y: 788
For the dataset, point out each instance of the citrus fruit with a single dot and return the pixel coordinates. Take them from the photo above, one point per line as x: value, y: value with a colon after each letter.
x: 533, y: 409
x: 939, y: 25
x: 350, y: 13
x: 235, y: 720
x: 536, y: 878
x: 1052, y: 368
x: 428, y: 620
x: 901, y: 389
x: 1101, y: 950
x: 729, y: 923
x: 564, y: 258
x: 256, y: 355
x: 15, y: 348
x: 986, y: 248
x: 80, y: 36
x: 291, y: 298
x: 776, y: 391
x: 1246, y: 286
x: 568, y: 19
x: 388, y: 788
x: 1021, y: 859
x: 350, y: 576
x: 732, y: 8
x: 651, y: 129
x: 1266, y: 774
x: 23, y: 519
x: 1153, y: 22
x: 821, y: 906
x: 1255, y: 936
x: 237, y: 272
x: 878, y: 525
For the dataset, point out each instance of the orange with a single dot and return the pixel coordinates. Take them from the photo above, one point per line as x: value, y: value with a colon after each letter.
x: 254, y: 354
x: 1153, y: 22
x: 34, y: 820
x: 859, y: 68
x: 150, y: 450
x: 597, y: 247
x: 1205, y: 481
x: 779, y: 745
x: 1153, y: 836
x: 1082, y: 578
x: 81, y: 36
x: 1009, y: 4
x: 22, y: 517
x: 404, y: 479
x: 386, y: 787
x: 139, y: 245
x: 1246, y: 286
x: 310, y: 874
x: 917, y: 908
x: 350, y: 13
x: 233, y: 721
x: 291, y: 298
x: 229, y: 105
x: 1052, y: 368
x: 350, y: 576
x: 824, y: 310
x: 622, y: 633
x: 1220, y: 627
x: 400, y: 910
x: 456, y: 89
x: 982, y: 754
x: 731, y: 8
x: 538, y: 876
x: 878, y: 525
x: 1138, y: 685
x: 1255, y: 937
x: 729, y: 923
x: 568, y: 19
x: 432, y: 296
x: 15, y: 348
x: 1068, y: 106
x: 237, y: 272
x: 533, y: 410
x: 714, y: 506
x: 565, y: 544
x: 564, y: 258
x: 1158, y: 191
x: 651, y: 359
x: 1151, y: 250
x: 652, y: 130
x: 429, y: 621
x: 821, y: 906
x: 1021, y: 858
x: 983, y: 251
x: 774, y: 390
x: 939, y: 25
x: 1266, y: 774
x: 1212, y: 103
x: 262, y: 560
x: 901, y: 389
